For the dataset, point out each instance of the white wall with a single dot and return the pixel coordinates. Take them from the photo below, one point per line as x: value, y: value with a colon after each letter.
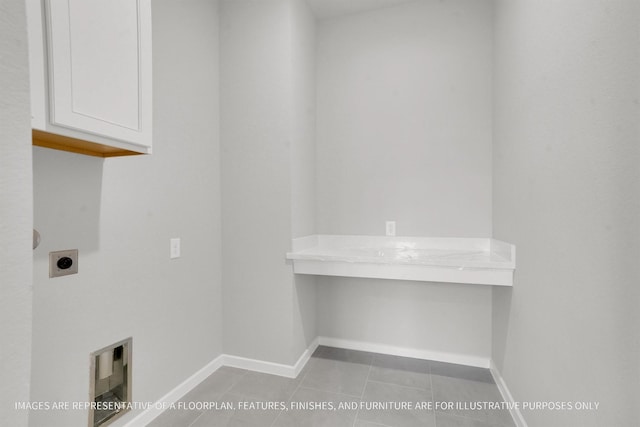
x: 404, y: 134
x: 16, y: 215
x: 439, y: 321
x: 303, y: 162
x: 120, y: 213
x: 265, y: 192
x: 567, y: 193
x: 404, y: 120
x: 303, y: 122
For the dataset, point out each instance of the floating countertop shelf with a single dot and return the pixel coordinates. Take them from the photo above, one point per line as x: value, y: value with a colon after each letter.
x: 430, y: 259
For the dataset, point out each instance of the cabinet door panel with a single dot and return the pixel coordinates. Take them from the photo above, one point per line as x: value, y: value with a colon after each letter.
x: 100, y: 67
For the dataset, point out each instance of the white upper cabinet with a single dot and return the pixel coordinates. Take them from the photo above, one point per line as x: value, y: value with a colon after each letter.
x: 91, y: 74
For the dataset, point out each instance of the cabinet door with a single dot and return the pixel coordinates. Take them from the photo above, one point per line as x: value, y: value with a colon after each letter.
x: 99, y: 54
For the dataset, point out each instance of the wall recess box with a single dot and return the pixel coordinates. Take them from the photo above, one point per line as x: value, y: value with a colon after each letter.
x: 63, y: 263
x: 110, y: 383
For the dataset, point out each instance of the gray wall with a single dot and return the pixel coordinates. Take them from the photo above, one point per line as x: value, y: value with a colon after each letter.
x: 15, y: 215
x: 120, y: 213
x: 404, y: 134
x: 567, y: 193
x: 404, y: 120
x: 303, y: 166
x: 267, y: 167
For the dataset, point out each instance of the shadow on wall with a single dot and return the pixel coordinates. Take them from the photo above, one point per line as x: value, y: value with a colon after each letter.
x: 67, y: 191
x: 304, y: 312
x: 501, y: 315
x: 432, y: 319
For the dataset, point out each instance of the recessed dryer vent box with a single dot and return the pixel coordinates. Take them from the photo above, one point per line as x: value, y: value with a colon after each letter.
x: 110, y: 383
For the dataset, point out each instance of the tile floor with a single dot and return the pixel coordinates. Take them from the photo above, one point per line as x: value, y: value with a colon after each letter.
x: 345, y: 388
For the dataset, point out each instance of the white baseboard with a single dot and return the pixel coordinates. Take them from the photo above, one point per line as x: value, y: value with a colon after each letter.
x: 506, y: 396
x: 290, y: 371
x: 304, y: 358
x: 149, y: 414
x: 461, y: 359
x: 259, y: 366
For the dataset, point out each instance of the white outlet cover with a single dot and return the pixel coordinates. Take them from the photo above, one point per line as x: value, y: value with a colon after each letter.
x: 174, y: 245
x: 390, y: 228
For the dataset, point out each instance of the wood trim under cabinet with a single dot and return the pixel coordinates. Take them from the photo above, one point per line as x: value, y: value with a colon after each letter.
x: 65, y: 143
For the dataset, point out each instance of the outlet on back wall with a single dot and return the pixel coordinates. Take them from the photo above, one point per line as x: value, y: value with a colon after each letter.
x: 174, y: 248
x: 390, y: 228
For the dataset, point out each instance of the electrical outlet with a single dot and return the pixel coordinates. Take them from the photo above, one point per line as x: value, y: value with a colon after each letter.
x: 390, y: 228
x: 63, y: 263
x: 174, y: 248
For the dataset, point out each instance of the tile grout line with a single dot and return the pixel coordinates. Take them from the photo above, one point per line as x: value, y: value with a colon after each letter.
x: 366, y: 381
x: 350, y: 396
x: 465, y: 417
x: 433, y: 397
x: 228, y: 390
x: 233, y: 383
x: 196, y: 419
x: 378, y: 424
x: 292, y: 394
x: 399, y: 385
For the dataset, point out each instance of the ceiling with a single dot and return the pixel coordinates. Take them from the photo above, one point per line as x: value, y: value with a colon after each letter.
x: 329, y: 8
